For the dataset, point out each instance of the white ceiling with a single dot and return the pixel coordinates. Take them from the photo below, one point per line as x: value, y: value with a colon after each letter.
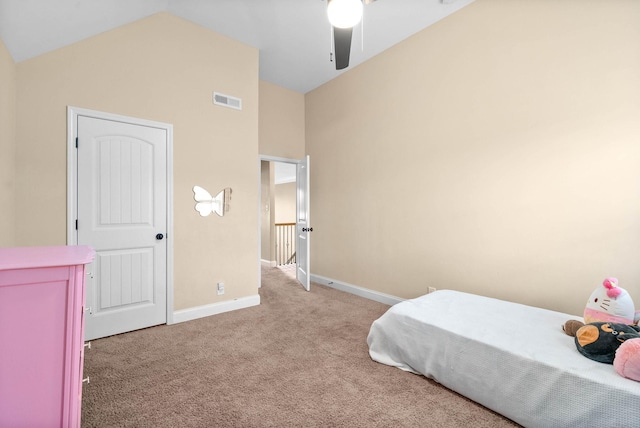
x: 293, y: 36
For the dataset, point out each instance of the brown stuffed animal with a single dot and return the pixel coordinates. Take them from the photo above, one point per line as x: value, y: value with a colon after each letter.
x: 571, y: 326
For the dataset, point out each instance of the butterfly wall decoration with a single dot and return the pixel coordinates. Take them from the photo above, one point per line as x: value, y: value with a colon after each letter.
x: 206, y: 204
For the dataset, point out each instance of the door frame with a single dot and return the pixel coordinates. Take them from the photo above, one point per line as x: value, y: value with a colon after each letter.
x: 267, y: 158
x: 72, y: 182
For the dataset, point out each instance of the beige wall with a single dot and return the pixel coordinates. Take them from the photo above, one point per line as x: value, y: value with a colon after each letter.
x: 7, y: 147
x: 160, y: 68
x: 285, y: 203
x: 281, y: 122
x: 496, y: 152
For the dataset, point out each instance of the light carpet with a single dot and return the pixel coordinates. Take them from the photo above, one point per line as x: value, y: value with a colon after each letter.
x: 299, y: 359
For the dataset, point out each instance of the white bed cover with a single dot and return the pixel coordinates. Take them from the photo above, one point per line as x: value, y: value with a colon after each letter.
x: 511, y: 358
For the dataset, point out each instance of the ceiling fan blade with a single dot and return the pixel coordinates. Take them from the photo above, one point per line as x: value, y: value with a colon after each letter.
x: 342, y: 44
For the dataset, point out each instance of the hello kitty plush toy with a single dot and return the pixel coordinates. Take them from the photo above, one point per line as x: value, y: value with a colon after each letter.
x: 610, y: 303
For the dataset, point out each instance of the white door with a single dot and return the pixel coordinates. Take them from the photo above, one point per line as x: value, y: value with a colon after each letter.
x: 122, y: 214
x: 302, y: 224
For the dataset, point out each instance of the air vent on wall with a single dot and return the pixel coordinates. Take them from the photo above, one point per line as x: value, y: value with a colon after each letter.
x: 227, y: 101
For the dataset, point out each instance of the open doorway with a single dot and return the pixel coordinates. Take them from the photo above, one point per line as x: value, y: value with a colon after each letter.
x: 278, y: 216
x: 284, y: 210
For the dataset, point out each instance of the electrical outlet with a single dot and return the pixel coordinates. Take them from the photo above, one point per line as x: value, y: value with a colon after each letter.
x: 220, y: 288
x: 432, y: 289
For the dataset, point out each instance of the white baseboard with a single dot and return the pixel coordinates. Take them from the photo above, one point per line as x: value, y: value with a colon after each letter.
x: 387, y: 299
x: 215, y: 308
x: 268, y: 263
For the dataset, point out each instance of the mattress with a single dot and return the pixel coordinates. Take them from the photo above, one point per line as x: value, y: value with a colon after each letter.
x: 511, y: 358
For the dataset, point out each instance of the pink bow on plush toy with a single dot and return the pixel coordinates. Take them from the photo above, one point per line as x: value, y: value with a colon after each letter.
x: 611, y: 284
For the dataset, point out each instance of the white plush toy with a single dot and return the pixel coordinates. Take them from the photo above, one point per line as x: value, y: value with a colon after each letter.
x: 611, y: 303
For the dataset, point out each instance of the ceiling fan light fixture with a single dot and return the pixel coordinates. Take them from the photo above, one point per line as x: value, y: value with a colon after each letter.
x: 344, y: 13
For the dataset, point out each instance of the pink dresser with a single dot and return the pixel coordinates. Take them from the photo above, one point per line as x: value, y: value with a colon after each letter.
x: 42, y: 335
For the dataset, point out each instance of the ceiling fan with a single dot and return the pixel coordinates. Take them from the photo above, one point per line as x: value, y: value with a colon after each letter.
x: 343, y: 16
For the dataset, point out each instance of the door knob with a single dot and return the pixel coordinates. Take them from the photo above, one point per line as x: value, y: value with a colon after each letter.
x: 159, y: 236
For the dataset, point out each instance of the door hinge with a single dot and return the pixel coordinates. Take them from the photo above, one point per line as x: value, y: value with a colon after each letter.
x: 76, y: 224
x: 76, y: 142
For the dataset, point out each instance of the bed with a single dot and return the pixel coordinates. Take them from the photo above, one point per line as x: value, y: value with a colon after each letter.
x: 511, y: 358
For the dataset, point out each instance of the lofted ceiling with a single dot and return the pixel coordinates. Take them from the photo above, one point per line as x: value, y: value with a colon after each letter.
x: 293, y: 36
